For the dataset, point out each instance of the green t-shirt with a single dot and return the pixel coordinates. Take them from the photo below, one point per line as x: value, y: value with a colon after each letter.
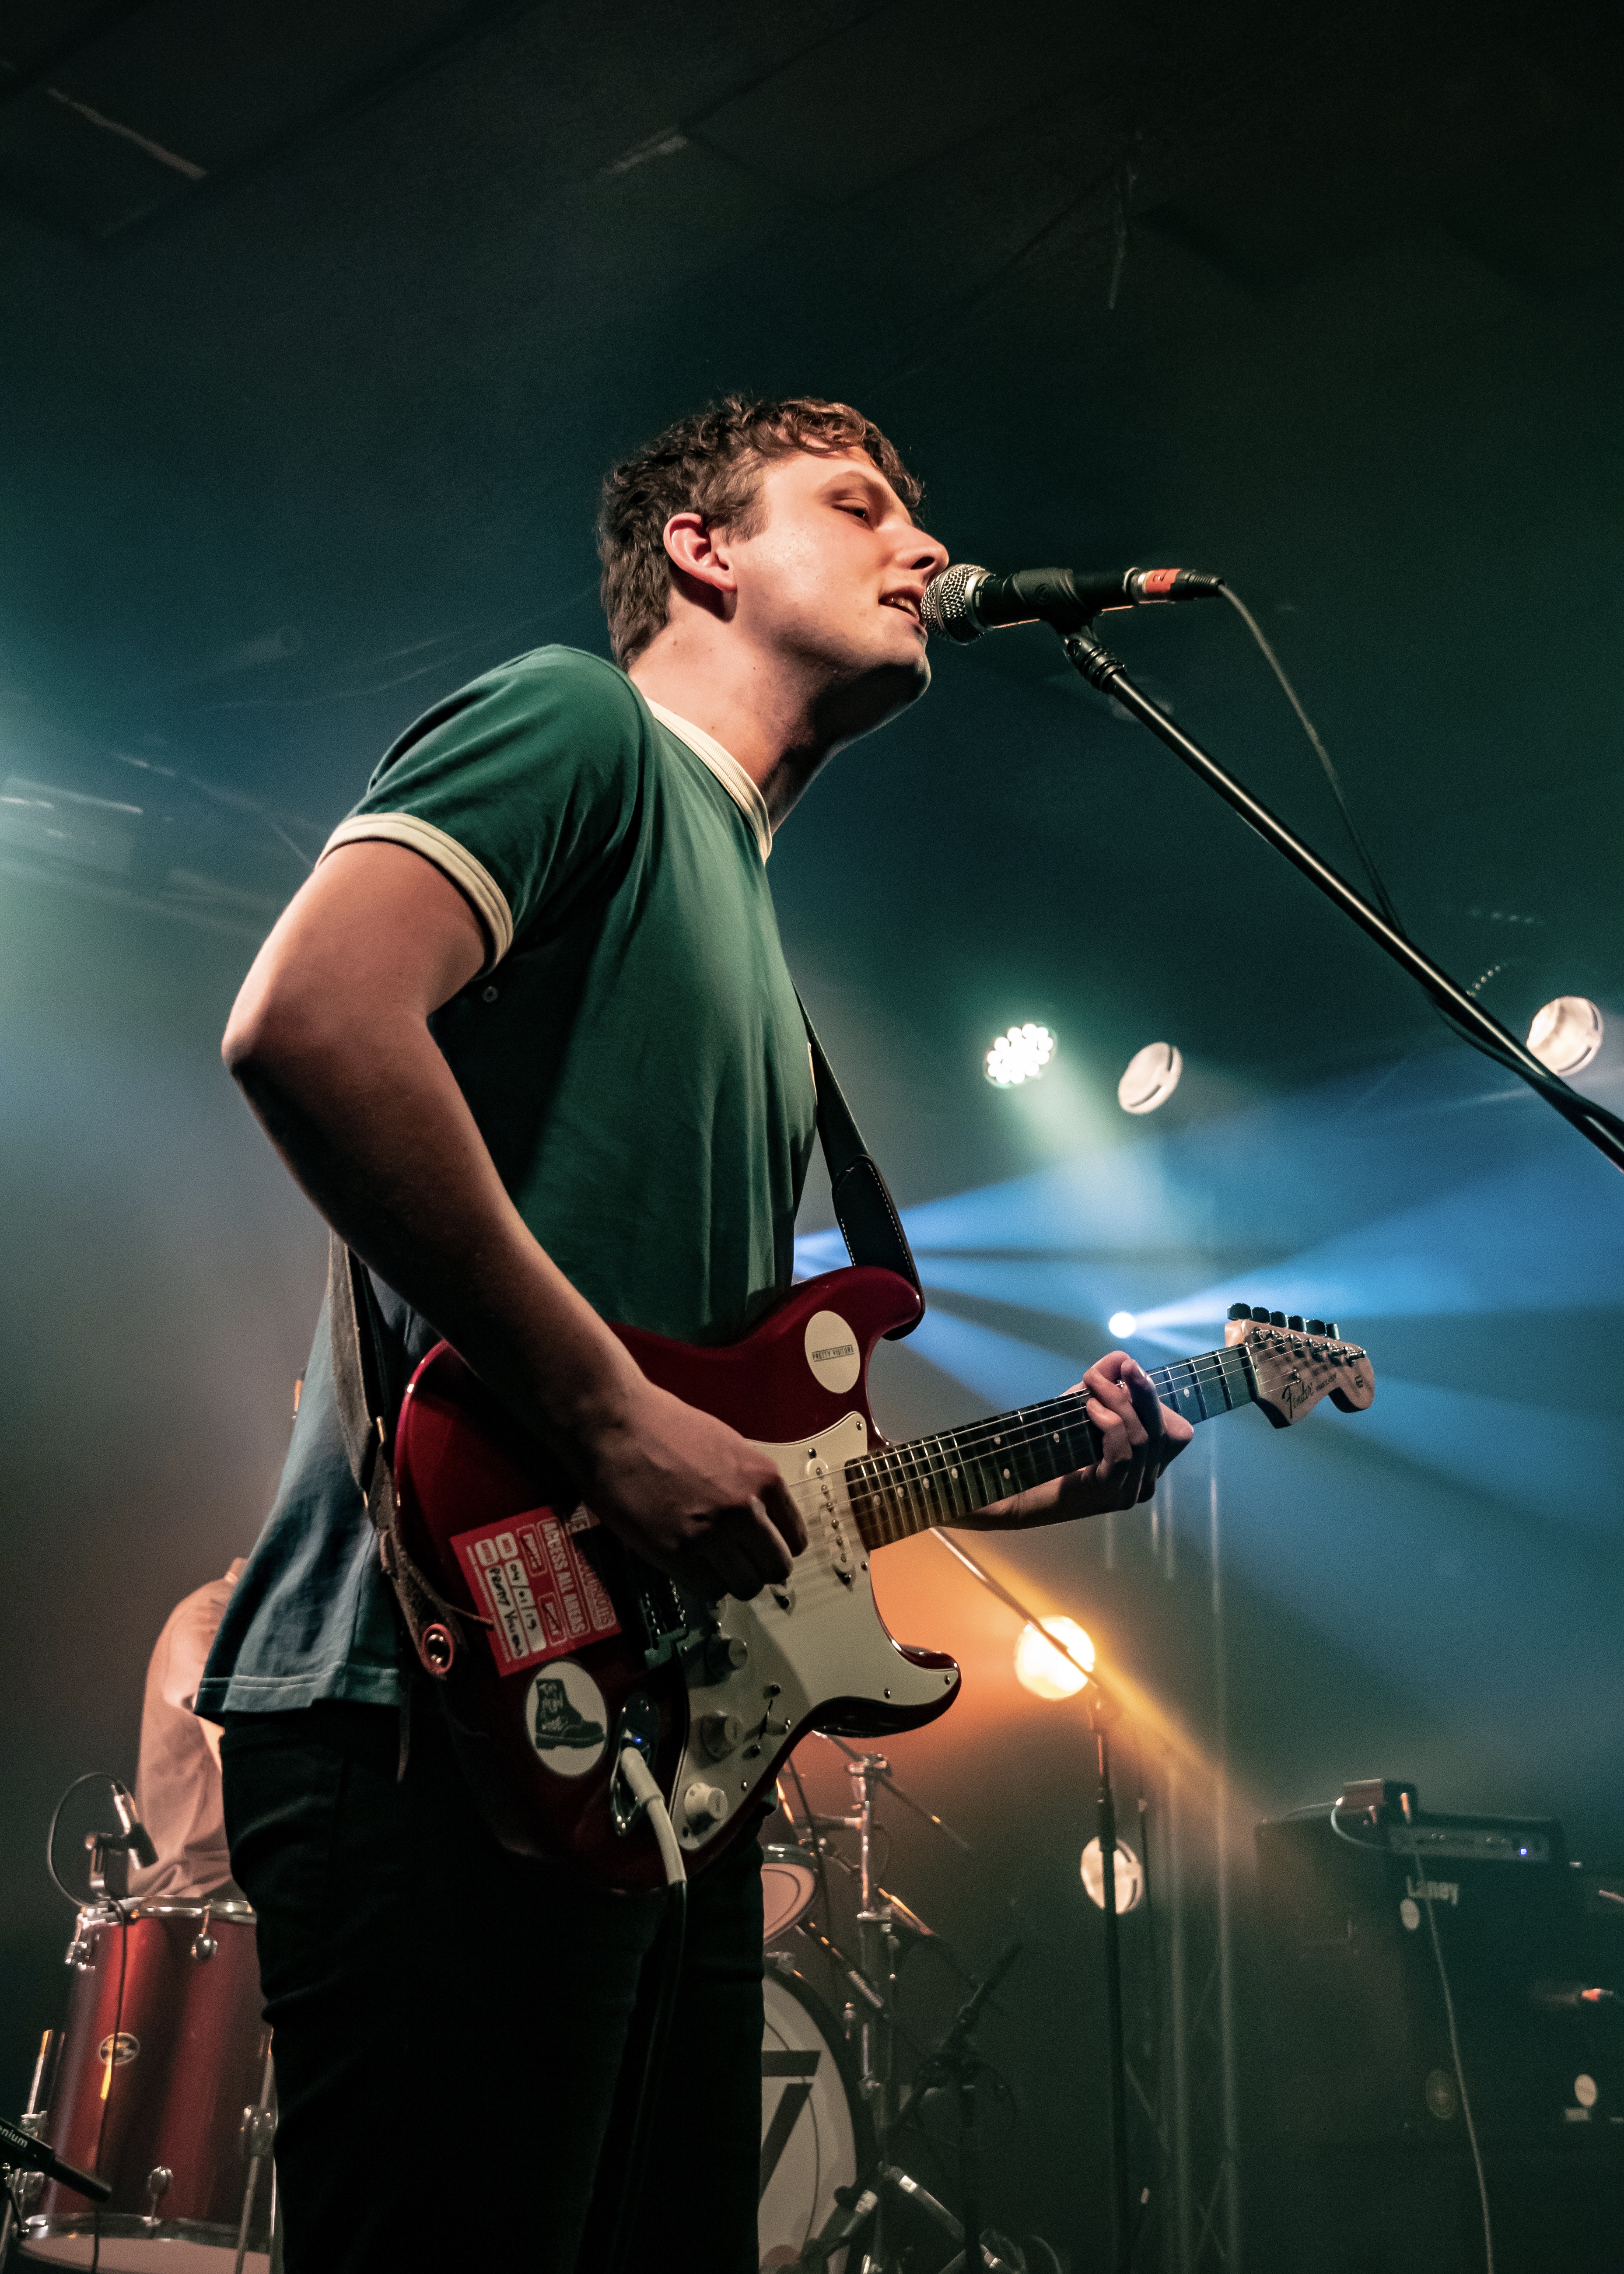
x: 633, y: 1053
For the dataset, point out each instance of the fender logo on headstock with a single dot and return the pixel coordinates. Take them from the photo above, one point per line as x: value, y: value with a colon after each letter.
x: 1295, y: 1362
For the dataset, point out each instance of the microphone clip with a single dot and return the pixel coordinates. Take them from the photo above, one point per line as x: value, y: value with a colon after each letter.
x: 130, y: 1839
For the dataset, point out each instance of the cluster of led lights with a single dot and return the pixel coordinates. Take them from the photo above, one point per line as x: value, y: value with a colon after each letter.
x: 1020, y: 1055
x: 1565, y: 1035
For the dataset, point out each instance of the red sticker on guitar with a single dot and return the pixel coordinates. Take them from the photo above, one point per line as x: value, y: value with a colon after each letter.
x: 532, y: 1578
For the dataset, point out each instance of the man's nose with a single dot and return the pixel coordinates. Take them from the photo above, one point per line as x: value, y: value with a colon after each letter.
x: 924, y: 554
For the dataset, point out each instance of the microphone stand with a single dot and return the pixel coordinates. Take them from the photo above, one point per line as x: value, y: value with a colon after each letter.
x: 1102, y: 1711
x: 1479, y: 1027
x: 1104, y: 1707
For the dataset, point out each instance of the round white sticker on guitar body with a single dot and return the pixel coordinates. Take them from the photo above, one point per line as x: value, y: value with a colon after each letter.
x: 566, y: 1718
x: 831, y: 1350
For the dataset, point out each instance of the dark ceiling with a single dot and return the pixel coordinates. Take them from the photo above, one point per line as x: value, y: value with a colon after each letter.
x: 321, y: 324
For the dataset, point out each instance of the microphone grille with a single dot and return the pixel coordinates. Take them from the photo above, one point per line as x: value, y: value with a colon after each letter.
x: 948, y: 605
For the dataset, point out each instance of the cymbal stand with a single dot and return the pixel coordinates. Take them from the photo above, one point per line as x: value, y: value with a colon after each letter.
x: 872, y: 2018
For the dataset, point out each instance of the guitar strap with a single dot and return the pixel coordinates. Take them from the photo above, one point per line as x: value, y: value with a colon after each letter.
x: 367, y: 1402
x: 864, y: 1209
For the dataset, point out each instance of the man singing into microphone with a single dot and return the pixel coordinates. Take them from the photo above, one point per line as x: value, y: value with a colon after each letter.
x: 527, y: 1039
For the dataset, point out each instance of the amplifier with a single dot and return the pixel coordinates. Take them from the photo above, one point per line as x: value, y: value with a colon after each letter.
x: 1360, y: 2040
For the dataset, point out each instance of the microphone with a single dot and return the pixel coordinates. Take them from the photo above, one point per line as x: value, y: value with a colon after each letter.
x: 136, y: 1838
x: 25, y: 2153
x: 965, y: 601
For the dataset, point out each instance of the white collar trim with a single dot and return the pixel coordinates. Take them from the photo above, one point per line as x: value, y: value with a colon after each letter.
x: 727, y: 770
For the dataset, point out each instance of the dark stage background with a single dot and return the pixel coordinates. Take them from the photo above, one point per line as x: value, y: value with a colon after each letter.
x: 319, y: 326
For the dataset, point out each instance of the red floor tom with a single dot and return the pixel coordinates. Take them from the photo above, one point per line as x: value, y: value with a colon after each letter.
x: 163, y: 2089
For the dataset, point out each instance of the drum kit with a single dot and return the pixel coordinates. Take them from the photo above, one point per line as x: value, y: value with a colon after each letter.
x: 833, y: 2193
x: 159, y: 2092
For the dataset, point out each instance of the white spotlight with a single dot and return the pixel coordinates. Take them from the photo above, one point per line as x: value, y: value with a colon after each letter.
x: 1566, y: 1034
x: 1129, y: 1877
x: 1121, y: 1323
x: 1048, y: 1672
x: 1150, y: 1079
x: 1020, y: 1055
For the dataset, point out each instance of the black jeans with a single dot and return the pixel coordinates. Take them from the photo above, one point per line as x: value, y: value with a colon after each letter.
x: 459, y: 2033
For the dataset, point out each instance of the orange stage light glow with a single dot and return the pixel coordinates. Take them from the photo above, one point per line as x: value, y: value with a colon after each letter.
x: 1044, y: 1670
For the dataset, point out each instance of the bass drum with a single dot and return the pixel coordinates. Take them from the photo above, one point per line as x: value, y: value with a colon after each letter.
x: 163, y: 2086
x: 816, y: 2134
x: 789, y: 1889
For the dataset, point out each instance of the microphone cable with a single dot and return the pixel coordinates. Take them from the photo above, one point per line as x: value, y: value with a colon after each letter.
x: 1367, y: 859
x: 1375, y: 1848
x: 1425, y: 1886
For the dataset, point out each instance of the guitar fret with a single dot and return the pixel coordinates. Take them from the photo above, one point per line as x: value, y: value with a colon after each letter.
x: 905, y: 1489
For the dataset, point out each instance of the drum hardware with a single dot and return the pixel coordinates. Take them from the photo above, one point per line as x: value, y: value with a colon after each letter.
x: 158, y: 2182
x: 256, y: 2137
x: 956, y: 2062
x: 886, y: 2196
x: 203, y: 1943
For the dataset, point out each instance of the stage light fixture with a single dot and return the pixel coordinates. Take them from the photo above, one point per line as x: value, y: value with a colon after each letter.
x: 1129, y: 1876
x: 1566, y: 1034
x: 1122, y: 1324
x: 1044, y: 1670
x: 1020, y: 1055
x: 1150, y: 1078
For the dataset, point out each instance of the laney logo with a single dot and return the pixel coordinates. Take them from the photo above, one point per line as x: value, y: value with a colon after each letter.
x: 1434, y: 1891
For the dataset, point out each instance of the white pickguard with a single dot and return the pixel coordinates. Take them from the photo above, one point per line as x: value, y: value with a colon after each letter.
x: 818, y: 1639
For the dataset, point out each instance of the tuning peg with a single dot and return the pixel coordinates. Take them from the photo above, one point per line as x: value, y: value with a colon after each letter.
x: 1333, y: 1330
x: 1294, y: 1322
x: 1315, y: 1326
x: 1259, y: 1314
x: 1240, y: 1310
x: 1277, y: 1318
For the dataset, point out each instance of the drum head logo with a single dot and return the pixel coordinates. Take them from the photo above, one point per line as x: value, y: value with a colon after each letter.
x: 568, y: 1721
x: 113, y: 2052
x: 831, y: 1350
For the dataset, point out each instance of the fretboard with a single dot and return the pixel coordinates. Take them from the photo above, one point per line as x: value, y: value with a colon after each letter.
x: 941, y: 1479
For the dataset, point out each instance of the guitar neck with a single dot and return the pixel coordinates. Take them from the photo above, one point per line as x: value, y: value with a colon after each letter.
x: 909, y: 1488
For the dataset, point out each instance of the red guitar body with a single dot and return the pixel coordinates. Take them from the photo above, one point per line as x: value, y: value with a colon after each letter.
x: 580, y: 1635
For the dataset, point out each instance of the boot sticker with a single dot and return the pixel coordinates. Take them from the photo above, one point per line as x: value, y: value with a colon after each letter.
x: 566, y: 1719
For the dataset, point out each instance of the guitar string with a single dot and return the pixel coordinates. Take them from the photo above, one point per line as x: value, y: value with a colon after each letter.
x: 914, y: 1465
x: 1032, y: 1423
x: 975, y: 1439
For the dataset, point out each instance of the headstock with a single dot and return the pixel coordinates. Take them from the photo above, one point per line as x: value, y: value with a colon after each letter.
x: 1295, y: 1362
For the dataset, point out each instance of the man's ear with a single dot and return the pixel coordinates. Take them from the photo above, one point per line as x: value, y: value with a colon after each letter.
x: 701, y: 550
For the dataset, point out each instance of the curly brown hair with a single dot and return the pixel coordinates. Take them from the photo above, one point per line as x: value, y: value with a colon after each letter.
x: 711, y: 463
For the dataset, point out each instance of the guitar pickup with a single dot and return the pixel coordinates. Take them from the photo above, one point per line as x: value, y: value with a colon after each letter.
x: 668, y: 1629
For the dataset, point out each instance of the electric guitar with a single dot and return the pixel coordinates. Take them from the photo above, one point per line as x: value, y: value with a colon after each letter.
x: 565, y: 1646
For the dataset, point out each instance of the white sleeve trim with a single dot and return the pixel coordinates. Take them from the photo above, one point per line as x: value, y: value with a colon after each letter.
x: 471, y: 877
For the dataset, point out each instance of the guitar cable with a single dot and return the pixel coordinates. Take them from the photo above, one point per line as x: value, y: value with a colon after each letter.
x: 672, y: 1932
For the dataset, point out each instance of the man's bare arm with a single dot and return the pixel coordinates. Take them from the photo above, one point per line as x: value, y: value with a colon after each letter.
x: 329, y: 1042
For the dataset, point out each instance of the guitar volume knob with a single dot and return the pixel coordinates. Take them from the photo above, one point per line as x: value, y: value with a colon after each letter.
x: 725, y: 1655
x: 703, y: 1805
x: 719, y: 1733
